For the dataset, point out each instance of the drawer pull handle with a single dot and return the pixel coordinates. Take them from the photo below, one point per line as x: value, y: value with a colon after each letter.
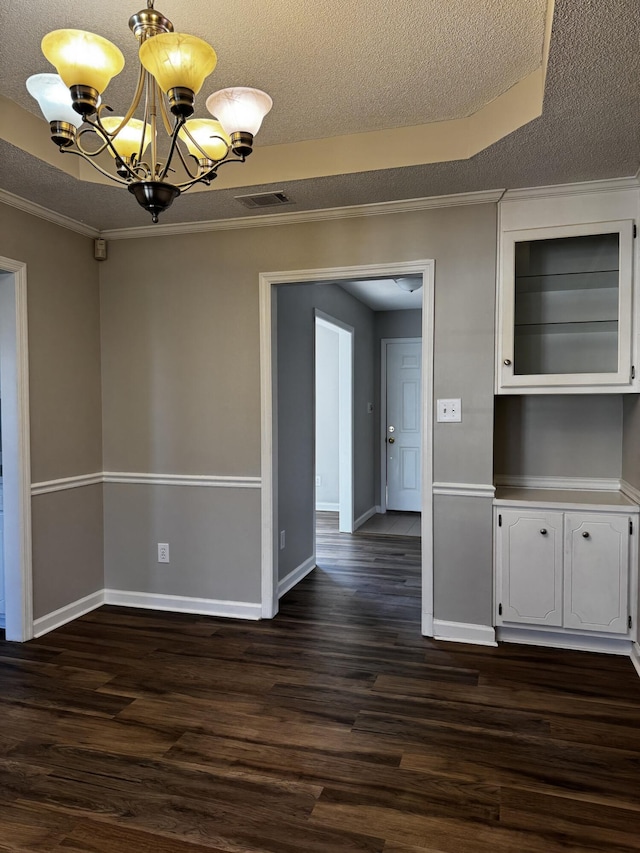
x: 543, y: 531
x: 585, y: 534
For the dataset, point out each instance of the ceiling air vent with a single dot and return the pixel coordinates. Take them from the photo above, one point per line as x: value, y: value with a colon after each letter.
x: 264, y: 199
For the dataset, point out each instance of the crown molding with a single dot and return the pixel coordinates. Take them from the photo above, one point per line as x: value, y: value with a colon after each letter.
x: 50, y: 215
x: 558, y: 190
x: 292, y: 218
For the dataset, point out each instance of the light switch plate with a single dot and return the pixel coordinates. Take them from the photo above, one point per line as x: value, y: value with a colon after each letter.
x: 449, y: 410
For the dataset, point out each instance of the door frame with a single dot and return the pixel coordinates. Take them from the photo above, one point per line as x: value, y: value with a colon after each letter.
x: 16, y: 458
x: 346, y: 344
x: 383, y: 413
x: 267, y: 284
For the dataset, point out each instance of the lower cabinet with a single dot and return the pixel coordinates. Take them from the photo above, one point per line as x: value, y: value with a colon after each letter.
x: 564, y: 569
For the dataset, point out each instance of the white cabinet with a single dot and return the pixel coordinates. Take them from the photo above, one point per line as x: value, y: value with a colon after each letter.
x: 596, y: 572
x: 530, y: 555
x: 565, y: 309
x: 571, y: 570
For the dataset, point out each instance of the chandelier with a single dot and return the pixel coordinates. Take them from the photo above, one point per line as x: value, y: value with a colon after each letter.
x: 173, y: 67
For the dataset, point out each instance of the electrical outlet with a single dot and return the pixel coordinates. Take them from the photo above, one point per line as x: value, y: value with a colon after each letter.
x: 163, y: 552
x: 282, y: 539
x: 449, y: 411
x: 318, y: 480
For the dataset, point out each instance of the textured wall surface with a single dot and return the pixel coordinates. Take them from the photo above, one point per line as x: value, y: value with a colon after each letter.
x: 65, y: 403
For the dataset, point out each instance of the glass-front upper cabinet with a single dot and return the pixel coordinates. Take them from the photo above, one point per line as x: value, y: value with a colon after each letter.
x: 565, y: 309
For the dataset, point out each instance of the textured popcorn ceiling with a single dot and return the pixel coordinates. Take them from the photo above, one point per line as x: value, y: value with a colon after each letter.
x: 589, y: 128
x: 331, y: 67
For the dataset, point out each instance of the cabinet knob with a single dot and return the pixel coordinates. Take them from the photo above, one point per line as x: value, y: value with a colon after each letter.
x: 507, y: 361
x: 586, y: 534
x: 543, y: 530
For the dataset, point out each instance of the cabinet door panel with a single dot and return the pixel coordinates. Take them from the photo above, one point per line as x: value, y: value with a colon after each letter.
x: 530, y: 567
x: 596, y: 579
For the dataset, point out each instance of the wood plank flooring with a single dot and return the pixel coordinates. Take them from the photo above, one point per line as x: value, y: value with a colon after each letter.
x: 335, y: 728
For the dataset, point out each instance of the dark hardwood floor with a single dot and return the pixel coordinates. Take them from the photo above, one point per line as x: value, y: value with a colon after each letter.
x: 335, y: 727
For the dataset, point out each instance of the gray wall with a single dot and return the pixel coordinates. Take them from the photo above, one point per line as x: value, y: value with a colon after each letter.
x: 181, y: 389
x: 559, y: 435
x: 631, y: 440
x: 327, y: 415
x: 65, y: 403
x: 295, y: 359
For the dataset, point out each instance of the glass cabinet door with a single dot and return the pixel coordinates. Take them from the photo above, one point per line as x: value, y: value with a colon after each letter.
x: 566, y: 306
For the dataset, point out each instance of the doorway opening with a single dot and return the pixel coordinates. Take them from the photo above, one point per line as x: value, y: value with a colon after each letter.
x: 15, y: 554
x: 274, y: 537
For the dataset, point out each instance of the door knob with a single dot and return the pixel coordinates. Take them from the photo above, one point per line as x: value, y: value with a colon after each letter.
x: 392, y: 441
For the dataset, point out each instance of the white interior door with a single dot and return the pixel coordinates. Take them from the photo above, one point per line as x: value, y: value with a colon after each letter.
x: 403, y: 424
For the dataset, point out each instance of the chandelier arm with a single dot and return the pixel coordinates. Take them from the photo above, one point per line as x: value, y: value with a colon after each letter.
x: 96, y: 166
x: 166, y: 120
x: 89, y: 155
x: 206, y: 177
x: 174, y: 146
x: 185, y: 163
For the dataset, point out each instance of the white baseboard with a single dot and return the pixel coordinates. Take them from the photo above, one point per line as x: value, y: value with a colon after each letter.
x: 463, y: 632
x: 327, y: 507
x: 427, y: 624
x: 635, y: 656
x: 58, y: 618
x: 365, y: 517
x: 577, y: 642
x: 183, y: 604
x: 296, y: 576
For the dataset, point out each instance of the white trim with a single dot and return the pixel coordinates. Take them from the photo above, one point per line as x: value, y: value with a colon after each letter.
x: 60, y: 617
x: 578, y: 642
x: 366, y: 516
x: 427, y: 625
x: 324, y: 506
x: 630, y: 491
x: 581, y: 484
x: 559, y: 190
x: 14, y: 365
x: 182, y: 604
x: 466, y: 490
x: 291, y: 218
x: 50, y: 215
x: 268, y: 410
x: 464, y: 632
x: 64, y: 483
x: 635, y: 656
x: 294, y: 577
x: 205, y: 480
x: 199, y: 480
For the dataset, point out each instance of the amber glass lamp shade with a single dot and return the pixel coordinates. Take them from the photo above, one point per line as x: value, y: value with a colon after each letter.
x: 210, y: 137
x: 127, y: 142
x: 177, y: 60
x: 83, y: 59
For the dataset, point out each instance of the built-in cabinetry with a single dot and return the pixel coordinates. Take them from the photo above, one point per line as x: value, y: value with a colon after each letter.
x: 565, y: 296
x: 566, y: 561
